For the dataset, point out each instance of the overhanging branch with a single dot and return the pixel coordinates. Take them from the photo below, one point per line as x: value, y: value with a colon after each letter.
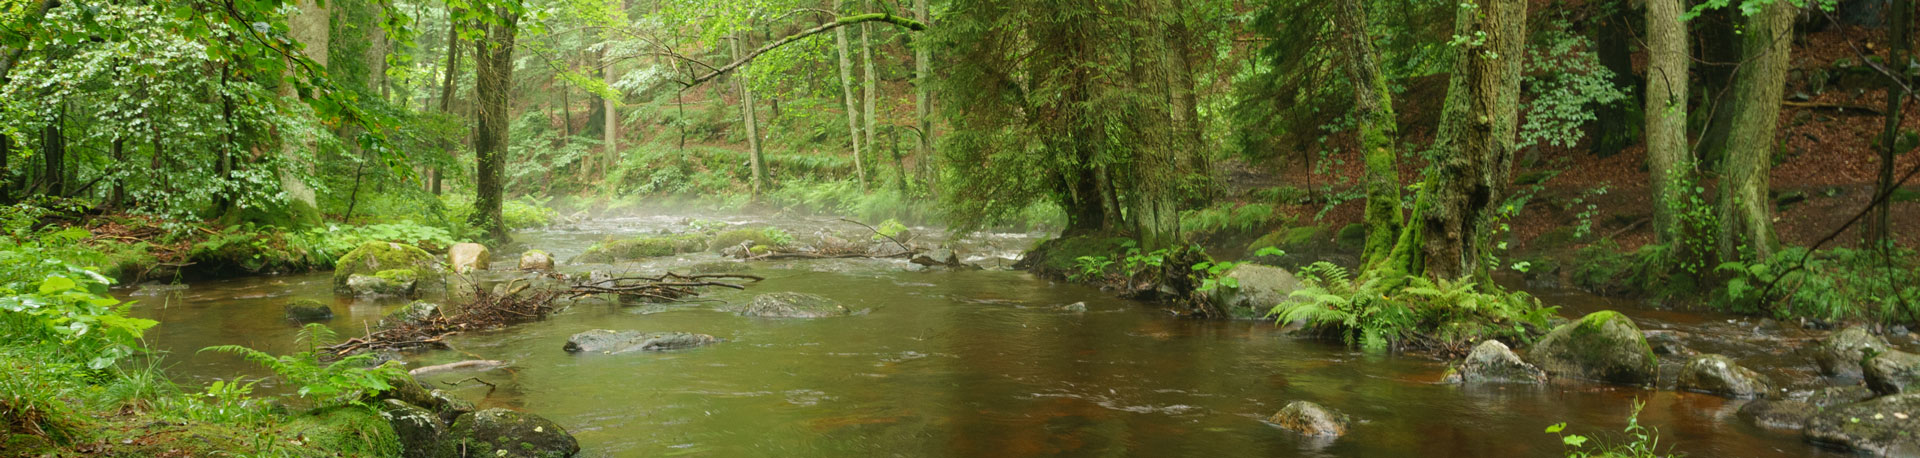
x: 910, y: 24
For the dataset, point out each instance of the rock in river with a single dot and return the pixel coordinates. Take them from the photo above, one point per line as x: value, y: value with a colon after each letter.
x: 386, y: 283
x: 308, y: 310
x: 1892, y: 372
x: 372, y: 258
x: 1493, y: 362
x: 1719, y: 375
x: 941, y: 257
x: 1311, y: 419
x: 1602, y: 346
x: 1884, y: 426
x: 536, y: 260
x: 1260, y: 288
x: 794, y: 305
x: 466, y: 257
x: 1841, y: 353
x: 506, y: 434
x: 418, y: 428
x: 1778, y: 414
x: 415, y: 313
x: 610, y: 341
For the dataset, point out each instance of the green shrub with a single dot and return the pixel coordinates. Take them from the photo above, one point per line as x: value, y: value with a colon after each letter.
x: 1838, y: 284
x: 1639, y: 442
x: 345, y: 381
x: 1427, y: 313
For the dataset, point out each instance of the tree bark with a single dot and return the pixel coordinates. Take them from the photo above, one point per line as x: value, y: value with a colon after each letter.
x: 872, y: 83
x: 853, y: 111
x: 1900, y: 34
x: 493, y: 77
x: 311, y: 25
x: 754, y: 160
x: 1745, y: 211
x: 922, y: 94
x: 1668, y: 157
x: 9, y: 56
x: 53, y: 157
x: 1373, y: 109
x: 1478, y: 123
x: 1152, y: 204
x: 610, y: 115
x: 1617, y: 125
x: 448, y: 87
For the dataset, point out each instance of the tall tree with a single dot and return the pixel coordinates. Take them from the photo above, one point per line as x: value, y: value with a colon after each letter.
x: 448, y: 87
x: 1668, y: 156
x: 755, y: 162
x: 853, y: 111
x: 1900, y: 34
x: 493, y: 91
x: 1373, y: 110
x: 922, y: 95
x: 872, y: 83
x: 1616, y: 124
x: 1745, y: 211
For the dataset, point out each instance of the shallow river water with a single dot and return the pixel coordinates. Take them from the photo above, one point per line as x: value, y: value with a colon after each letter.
x: 970, y: 363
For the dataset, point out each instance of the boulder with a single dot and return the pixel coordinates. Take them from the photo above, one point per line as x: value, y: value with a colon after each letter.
x: 1840, y: 354
x: 418, y: 428
x: 448, y: 407
x: 386, y: 283
x: 371, y: 258
x: 1493, y: 362
x: 1670, y: 343
x: 1839, y: 395
x: 1778, y: 414
x: 466, y: 257
x: 794, y: 305
x: 503, y: 433
x: 1602, y: 346
x: 642, y: 248
x: 1884, y: 426
x: 1311, y: 420
x: 1077, y: 307
x: 1261, y: 288
x: 308, y: 311
x: 1892, y: 372
x: 1719, y: 375
x: 414, y: 313
x: 940, y: 257
x: 609, y: 341
x: 536, y: 260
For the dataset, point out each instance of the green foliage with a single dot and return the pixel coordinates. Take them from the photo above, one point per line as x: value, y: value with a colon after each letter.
x: 1213, y: 275
x: 1653, y: 270
x: 47, y: 300
x: 342, y: 382
x: 1090, y: 267
x: 1639, y: 441
x: 1229, y: 216
x: 1565, y: 76
x: 1587, y: 210
x: 1837, y: 284
x: 334, y: 241
x: 891, y: 228
x: 1435, y: 313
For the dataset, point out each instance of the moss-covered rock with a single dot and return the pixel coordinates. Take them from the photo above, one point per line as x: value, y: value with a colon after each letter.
x: 642, y: 248
x: 506, y: 434
x: 536, y: 260
x: 1492, y: 362
x: 308, y: 311
x: 737, y: 237
x: 1602, y: 346
x: 1884, y: 426
x: 794, y: 305
x: 417, y: 429
x: 1260, y: 288
x: 344, y: 431
x: 1840, y: 354
x: 1311, y: 420
x: 374, y: 258
x: 414, y: 313
x: 1056, y: 258
x: 1892, y: 372
x: 610, y: 341
x: 1719, y: 375
x: 385, y: 283
x: 1352, y: 236
x: 1778, y: 414
x: 1839, y: 395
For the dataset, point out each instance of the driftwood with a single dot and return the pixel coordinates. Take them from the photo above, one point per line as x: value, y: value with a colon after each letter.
x: 479, y: 364
x: 517, y: 302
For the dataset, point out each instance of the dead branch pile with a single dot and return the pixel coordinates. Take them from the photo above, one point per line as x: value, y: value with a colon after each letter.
x: 518, y: 301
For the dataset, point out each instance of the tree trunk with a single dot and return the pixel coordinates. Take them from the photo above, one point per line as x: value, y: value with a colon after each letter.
x: 1900, y: 34
x: 1152, y: 204
x: 610, y: 116
x: 1617, y: 125
x: 853, y: 112
x: 1478, y: 123
x: 493, y: 77
x: 1373, y: 109
x: 872, y: 83
x: 311, y: 25
x: 1720, y: 47
x: 1746, y: 212
x: 6, y: 168
x: 11, y: 55
x: 1668, y: 157
x: 922, y: 95
x: 53, y: 157
x: 117, y: 195
x: 754, y: 159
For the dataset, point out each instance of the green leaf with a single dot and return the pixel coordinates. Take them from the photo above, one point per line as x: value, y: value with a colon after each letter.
x: 1557, y: 427
x: 1573, y: 440
x: 56, y: 284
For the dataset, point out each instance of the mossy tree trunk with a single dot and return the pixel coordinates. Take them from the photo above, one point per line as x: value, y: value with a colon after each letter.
x: 1668, y: 157
x: 1720, y: 46
x: 1151, y: 204
x: 449, y: 85
x: 1373, y: 109
x: 1900, y: 36
x: 853, y: 109
x: 1745, y: 211
x: 922, y: 95
x: 493, y: 76
x: 872, y: 83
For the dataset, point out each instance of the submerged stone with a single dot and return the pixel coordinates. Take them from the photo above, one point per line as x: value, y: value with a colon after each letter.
x: 610, y: 341
x: 1493, y: 362
x: 1840, y: 354
x: 1892, y: 372
x: 1603, y: 346
x: 1311, y: 419
x: 1719, y: 375
x: 502, y: 433
x: 467, y: 257
x: 308, y: 310
x: 1884, y: 426
x: 794, y: 305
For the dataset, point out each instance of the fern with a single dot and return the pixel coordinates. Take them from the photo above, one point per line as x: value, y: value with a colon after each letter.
x: 342, y: 382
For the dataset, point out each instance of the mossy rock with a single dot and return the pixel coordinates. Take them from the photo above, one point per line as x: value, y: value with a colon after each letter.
x: 1884, y: 426
x: 642, y: 248
x: 736, y: 237
x: 1260, y: 288
x: 1352, y: 236
x: 1892, y: 372
x: 308, y: 311
x: 1840, y: 353
x: 794, y: 305
x: 506, y: 434
x: 1603, y: 346
x: 378, y: 258
x: 418, y: 429
x: 1312, y: 420
x: 1288, y: 237
x: 344, y: 431
x: 1719, y: 375
x: 1056, y: 258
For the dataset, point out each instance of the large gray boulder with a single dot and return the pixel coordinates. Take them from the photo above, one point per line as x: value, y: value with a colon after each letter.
x: 1719, y: 375
x: 1892, y: 372
x: 1493, y: 362
x: 610, y: 341
x: 502, y: 433
x: 1311, y: 420
x: 1884, y: 426
x: 794, y: 305
x: 1603, y: 346
x: 467, y: 257
x: 1840, y: 354
x: 418, y: 428
x: 1260, y: 288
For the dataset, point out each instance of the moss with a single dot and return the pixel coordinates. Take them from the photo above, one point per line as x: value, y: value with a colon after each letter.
x: 397, y: 275
x: 1283, y: 238
x: 373, y: 257
x: 1056, y: 258
x: 345, y: 431
x: 1905, y: 195
x: 1352, y: 236
x: 643, y: 247
x: 734, y: 237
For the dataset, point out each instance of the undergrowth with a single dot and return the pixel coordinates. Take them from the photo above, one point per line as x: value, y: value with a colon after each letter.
x: 1427, y: 314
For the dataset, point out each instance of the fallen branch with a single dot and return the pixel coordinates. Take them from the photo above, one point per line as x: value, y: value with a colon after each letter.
x: 1832, y: 106
x: 482, y: 364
